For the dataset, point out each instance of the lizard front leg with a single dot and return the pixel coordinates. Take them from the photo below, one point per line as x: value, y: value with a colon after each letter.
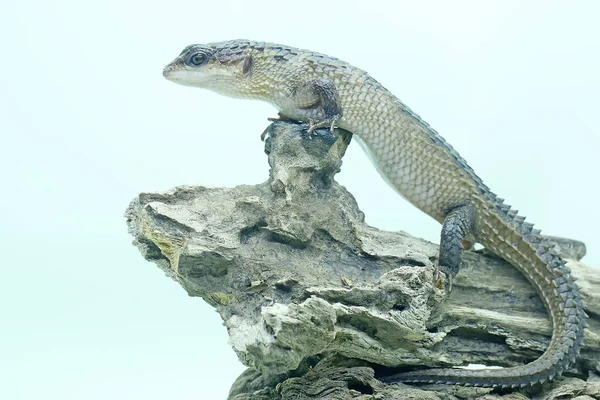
x: 319, y: 102
x: 316, y: 101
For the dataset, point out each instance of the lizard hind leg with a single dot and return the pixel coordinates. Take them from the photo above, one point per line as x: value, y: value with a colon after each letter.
x: 457, y: 225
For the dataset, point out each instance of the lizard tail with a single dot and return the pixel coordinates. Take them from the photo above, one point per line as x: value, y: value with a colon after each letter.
x: 506, y: 234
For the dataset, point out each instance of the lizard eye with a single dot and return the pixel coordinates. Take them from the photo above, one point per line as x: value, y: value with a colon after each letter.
x: 197, y: 59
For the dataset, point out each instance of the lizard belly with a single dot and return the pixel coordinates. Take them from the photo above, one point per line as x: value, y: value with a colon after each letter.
x: 380, y: 169
x: 413, y: 168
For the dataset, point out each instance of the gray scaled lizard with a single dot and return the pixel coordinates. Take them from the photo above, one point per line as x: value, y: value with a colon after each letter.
x: 418, y: 163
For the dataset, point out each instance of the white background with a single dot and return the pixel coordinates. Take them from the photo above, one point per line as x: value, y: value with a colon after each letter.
x: 87, y: 122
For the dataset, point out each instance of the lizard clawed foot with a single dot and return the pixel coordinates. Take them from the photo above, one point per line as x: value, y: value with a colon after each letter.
x: 280, y: 117
x: 438, y: 279
x: 329, y: 122
x: 313, y: 125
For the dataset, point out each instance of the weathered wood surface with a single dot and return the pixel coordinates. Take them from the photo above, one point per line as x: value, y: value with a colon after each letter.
x: 316, y: 302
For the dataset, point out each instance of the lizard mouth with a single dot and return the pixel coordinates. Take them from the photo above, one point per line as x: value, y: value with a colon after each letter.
x: 184, y: 76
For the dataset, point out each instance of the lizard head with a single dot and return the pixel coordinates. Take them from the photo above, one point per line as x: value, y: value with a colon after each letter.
x: 211, y: 66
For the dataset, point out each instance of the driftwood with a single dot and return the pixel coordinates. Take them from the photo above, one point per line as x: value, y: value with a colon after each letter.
x: 317, y: 303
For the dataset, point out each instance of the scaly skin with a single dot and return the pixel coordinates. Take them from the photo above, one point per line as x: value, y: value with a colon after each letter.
x: 416, y: 161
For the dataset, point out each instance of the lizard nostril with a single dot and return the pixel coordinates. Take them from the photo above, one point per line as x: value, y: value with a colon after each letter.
x: 167, y: 70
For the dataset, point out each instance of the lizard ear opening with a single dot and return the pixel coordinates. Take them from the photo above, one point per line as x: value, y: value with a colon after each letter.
x: 247, y: 67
